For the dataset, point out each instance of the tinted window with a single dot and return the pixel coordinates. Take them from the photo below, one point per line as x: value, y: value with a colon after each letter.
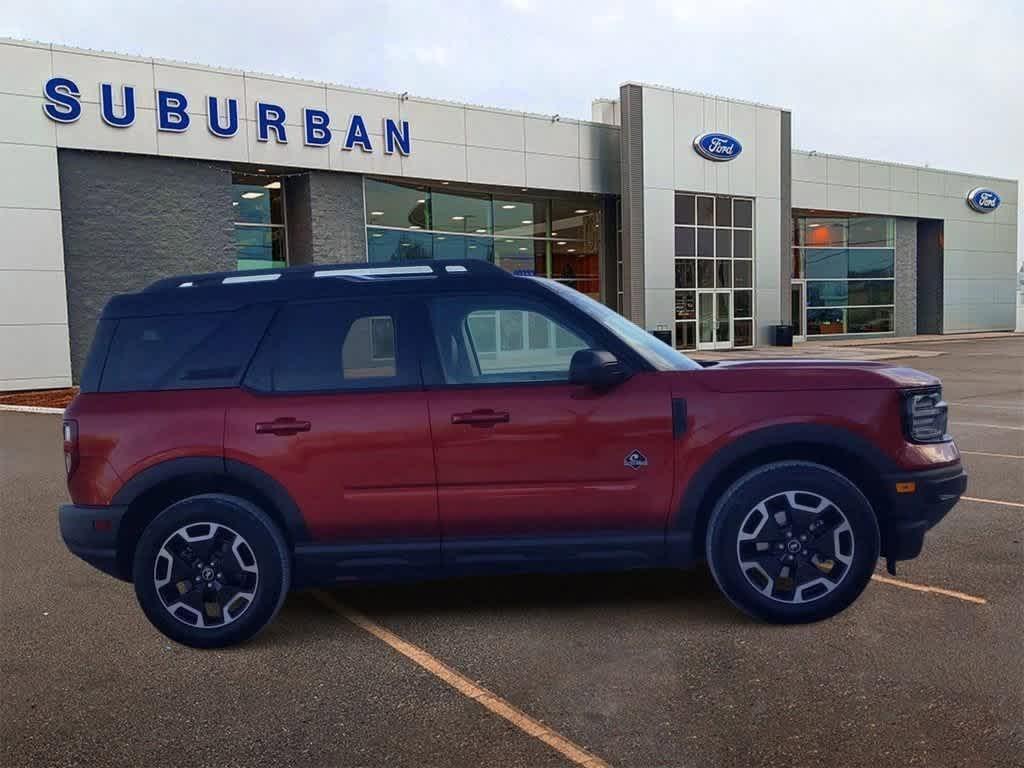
x: 193, y: 351
x: 493, y: 340
x: 325, y: 346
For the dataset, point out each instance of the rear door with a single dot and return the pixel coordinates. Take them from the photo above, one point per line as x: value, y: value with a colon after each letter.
x: 522, y: 453
x: 334, y: 410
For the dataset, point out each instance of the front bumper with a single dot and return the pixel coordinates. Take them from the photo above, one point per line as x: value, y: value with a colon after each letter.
x: 91, y: 534
x: 911, y: 515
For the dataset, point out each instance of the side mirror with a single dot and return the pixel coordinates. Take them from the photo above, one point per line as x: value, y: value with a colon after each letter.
x: 597, y: 369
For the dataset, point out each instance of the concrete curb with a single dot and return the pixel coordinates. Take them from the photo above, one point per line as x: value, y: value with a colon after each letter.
x: 31, y: 409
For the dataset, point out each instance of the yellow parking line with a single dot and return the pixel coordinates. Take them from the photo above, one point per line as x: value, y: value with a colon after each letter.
x: 993, y: 501
x: 492, y: 702
x: 933, y: 590
x: 997, y: 455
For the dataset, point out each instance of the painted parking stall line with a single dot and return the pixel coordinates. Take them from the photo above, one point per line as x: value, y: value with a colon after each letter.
x: 490, y: 701
x: 994, y: 455
x: 931, y: 590
x: 998, y: 502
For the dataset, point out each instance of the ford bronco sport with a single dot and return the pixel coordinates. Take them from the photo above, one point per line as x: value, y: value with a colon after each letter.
x: 241, y: 434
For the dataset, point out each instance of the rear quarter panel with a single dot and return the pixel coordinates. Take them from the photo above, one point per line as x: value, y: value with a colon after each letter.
x: 122, y: 434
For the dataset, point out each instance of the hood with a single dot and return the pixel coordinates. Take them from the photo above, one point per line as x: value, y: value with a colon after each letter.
x: 801, y: 374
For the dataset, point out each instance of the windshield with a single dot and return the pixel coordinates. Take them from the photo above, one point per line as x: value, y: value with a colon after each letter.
x: 653, y: 350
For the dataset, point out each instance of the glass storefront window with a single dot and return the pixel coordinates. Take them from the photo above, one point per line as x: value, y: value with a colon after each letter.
x: 848, y: 264
x: 258, y: 208
x: 556, y: 237
x: 686, y: 242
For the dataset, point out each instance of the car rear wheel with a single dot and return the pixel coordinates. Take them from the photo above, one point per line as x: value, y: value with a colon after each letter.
x: 792, y: 542
x: 211, y: 571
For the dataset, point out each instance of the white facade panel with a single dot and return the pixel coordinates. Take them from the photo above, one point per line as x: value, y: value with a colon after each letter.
x: 357, y: 161
x: 35, y: 168
x: 904, y: 179
x: 32, y: 297
x: 808, y: 167
x: 552, y: 172
x: 434, y: 122
x: 552, y: 137
x: 343, y: 104
x: 436, y: 160
x: 24, y: 121
x: 30, y: 239
x: 875, y: 176
x: 768, y: 153
x: 25, y: 67
x: 200, y: 143
x: 809, y: 194
x: 495, y: 166
x: 495, y: 130
x: 34, y: 356
x: 659, y: 138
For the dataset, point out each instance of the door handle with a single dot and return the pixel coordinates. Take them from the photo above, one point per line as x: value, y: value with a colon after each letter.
x: 481, y: 418
x: 284, y: 426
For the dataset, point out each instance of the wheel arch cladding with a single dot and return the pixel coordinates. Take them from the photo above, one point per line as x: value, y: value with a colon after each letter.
x: 833, y: 447
x: 156, y: 488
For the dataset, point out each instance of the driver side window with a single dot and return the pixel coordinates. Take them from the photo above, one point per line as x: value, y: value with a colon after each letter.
x: 502, y: 340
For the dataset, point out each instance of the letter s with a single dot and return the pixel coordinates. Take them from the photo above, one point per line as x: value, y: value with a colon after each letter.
x: 62, y: 103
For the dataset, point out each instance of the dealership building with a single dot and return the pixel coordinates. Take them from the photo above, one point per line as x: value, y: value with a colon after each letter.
x: 693, y: 215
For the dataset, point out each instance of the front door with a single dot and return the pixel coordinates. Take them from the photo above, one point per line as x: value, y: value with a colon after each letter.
x: 798, y: 299
x: 714, y: 319
x: 334, y: 411
x: 529, y: 466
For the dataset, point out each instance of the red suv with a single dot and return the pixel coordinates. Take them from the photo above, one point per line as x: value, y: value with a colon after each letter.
x: 238, y: 435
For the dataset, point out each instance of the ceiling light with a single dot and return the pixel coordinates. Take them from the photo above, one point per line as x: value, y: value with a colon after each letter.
x: 812, y: 226
x: 422, y: 200
x: 508, y: 206
x: 561, y: 242
x: 234, y: 202
x: 440, y: 237
x: 581, y: 210
x: 472, y: 247
x: 444, y: 183
x: 527, y: 221
x: 522, y: 249
x: 272, y: 185
x: 376, y: 213
x: 458, y: 218
x: 572, y: 250
x: 251, y: 195
x: 414, y: 226
x: 554, y: 234
x: 376, y: 234
x: 481, y: 230
x: 510, y: 241
x: 406, y: 245
x: 261, y: 170
x: 524, y: 189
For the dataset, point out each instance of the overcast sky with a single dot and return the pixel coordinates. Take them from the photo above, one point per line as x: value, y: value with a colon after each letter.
x: 936, y: 82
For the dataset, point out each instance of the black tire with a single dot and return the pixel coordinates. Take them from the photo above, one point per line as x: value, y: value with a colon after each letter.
x: 224, y: 521
x: 843, y: 544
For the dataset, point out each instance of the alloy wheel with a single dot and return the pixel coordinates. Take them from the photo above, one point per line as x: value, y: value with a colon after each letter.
x: 795, y: 547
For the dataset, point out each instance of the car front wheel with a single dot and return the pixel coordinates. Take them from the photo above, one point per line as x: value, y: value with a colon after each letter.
x: 211, y: 570
x: 792, y: 542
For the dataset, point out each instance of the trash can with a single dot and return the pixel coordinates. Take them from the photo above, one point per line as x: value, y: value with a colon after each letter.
x: 782, y: 335
x: 663, y: 334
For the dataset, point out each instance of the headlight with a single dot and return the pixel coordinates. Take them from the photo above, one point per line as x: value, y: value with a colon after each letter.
x: 925, y: 416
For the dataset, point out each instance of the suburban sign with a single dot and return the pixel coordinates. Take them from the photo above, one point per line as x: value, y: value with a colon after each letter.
x: 63, y: 105
x: 983, y: 200
x: 717, y: 146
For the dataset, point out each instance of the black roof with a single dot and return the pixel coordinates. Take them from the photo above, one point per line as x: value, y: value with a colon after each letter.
x: 222, y: 291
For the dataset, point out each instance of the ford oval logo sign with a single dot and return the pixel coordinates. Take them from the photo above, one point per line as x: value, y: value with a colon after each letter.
x: 717, y: 146
x: 983, y: 200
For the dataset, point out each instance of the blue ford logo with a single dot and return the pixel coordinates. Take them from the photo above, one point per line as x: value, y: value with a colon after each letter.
x: 983, y: 200
x: 717, y: 146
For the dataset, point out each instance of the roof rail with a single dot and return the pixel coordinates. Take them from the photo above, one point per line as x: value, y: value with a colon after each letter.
x: 393, y: 270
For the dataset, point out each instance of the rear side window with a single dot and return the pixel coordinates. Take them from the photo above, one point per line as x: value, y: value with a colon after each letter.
x: 193, y: 351
x: 334, y: 345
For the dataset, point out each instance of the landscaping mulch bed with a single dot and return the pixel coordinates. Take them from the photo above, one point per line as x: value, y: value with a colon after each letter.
x: 45, y: 398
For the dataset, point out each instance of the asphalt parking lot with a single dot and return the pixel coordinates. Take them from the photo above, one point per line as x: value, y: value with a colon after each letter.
x: 651, y: 669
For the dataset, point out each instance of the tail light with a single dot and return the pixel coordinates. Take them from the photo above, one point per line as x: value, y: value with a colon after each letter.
x: 925, y: 416
x: 70, y: 431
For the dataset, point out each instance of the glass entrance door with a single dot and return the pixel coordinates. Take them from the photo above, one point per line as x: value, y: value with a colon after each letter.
x: 714, y: 319
x: 798, y: 299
